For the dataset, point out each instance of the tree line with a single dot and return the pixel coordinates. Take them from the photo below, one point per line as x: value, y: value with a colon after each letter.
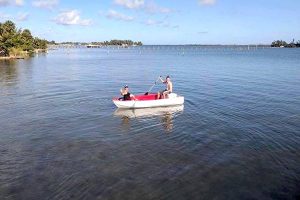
x: 18, y: 42
x: 281, y: 43
x: 118, y: 43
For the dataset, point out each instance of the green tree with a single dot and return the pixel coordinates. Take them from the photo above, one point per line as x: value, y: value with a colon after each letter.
x: 279, y: 43
x: 139, y: 43
x: 52, y: 42
x: 27, y: 40
x: 16, y: 41
x: 7, y: 36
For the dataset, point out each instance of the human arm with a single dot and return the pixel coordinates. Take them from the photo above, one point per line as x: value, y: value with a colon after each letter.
x: 161, y: 80
x: 133, y: 97
x: 122, y: 91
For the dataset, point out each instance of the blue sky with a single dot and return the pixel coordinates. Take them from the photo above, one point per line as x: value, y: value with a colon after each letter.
x: 158, y: 21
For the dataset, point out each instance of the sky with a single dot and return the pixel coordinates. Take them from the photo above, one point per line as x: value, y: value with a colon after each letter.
x: 157, y: 21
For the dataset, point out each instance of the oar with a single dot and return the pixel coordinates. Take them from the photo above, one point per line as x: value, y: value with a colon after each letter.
x: 152, y: 86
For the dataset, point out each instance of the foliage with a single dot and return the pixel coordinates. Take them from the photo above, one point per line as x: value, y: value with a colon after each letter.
x: 281, y: 43
x: 118, y: 43
x: 15, y: 41
x: 51, y: 42
x: 39, y: 43
x: 17, y: 52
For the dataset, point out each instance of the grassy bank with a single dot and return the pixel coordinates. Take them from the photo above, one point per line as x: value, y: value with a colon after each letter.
x: 18, y: 53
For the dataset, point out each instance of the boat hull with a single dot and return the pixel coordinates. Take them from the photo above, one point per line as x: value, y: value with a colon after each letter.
x: 148, y: 112
x: 178, y: 100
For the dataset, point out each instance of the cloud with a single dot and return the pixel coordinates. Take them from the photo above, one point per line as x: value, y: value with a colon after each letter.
x: 22, y: 16
x: 154, y: 8
x: 71, y: 17
x: 19, y: 2
x: 4, y: 16
x: 47, y: 33
x: 48, y: 4
x: 202, y: 32
x: 131, y: 4
x: 150, y: 22
x: 149, y: 7
x: 160, y: 23
x: 112, y: 14
x: 207, y: 2
x: 169, y: 25
x: 11, y: 3
x: 17, y: 17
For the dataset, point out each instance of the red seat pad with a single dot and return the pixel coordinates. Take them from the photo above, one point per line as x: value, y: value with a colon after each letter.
x: 142, y: 97
x: 146, y: 97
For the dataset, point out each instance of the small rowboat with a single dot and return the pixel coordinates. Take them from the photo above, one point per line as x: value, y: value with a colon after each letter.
x: 149, y: 101
x: 149, y: 112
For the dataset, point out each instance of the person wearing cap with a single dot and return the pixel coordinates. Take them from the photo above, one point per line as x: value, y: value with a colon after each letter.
x: 168, y: 90
x: 126, y: 95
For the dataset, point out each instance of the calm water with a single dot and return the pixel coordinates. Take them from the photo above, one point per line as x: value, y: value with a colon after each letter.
x: 237, y: 136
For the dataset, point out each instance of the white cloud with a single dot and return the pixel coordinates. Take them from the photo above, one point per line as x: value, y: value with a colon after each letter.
x: 160, y: 23
x: 153, y: 22
x: 131, y: 4
x: 154, y: 8
x: 19, y: 2
x: 17, y: 17
x: 207, y: 2
x: 22, y: 16
x: 4, y: 16
x: 47, y: 33
x: 71, y: 17
x: 112, y: 14
x: 11, y: 2
x: 48, y: 4
x: 149, y: 7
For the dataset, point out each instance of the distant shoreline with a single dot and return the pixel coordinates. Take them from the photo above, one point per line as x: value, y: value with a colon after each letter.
x: 202, y: 45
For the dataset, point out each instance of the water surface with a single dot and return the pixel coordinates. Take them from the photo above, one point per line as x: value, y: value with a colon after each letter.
x: 236, y: 137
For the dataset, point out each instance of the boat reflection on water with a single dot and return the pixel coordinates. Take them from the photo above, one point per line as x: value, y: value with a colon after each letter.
x: 165, y: 113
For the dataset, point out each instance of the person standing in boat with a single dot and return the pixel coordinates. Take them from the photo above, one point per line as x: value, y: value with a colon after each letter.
x: 168, y: 90
x: 126, y: 95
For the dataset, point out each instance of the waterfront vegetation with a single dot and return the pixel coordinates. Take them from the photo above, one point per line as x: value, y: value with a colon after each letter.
x: 104, y: 43
x: 18, y: 43
x: 118, y: 43
x: 281, y: 43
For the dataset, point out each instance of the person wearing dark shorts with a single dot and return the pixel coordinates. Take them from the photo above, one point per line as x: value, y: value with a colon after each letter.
x: 126, y: 95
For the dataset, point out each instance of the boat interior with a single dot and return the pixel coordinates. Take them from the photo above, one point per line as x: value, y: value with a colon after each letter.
x: 142, y: 97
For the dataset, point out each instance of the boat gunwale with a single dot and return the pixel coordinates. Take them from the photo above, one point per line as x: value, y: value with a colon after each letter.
x: 118, y: 98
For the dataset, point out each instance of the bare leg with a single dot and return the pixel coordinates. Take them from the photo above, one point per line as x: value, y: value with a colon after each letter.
x: 165, y: 95
x: 158, y: 95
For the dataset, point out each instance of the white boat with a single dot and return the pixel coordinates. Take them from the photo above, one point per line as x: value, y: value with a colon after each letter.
x: 149, y: 101
x: 148, y: 112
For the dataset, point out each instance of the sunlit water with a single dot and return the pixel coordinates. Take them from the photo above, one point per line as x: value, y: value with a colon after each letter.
x: 237, y: 136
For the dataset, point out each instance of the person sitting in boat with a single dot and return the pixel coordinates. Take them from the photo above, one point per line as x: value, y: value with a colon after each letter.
x: 163, y: 94
x: 126, y: 95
